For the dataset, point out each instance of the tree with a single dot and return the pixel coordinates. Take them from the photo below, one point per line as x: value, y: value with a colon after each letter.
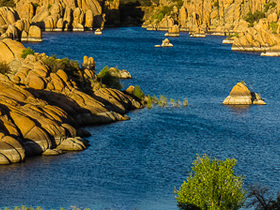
x: 261, y: 198
x: 211, y: 185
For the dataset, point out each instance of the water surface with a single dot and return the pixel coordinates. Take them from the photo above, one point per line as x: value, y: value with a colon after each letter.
x: 137, y: 163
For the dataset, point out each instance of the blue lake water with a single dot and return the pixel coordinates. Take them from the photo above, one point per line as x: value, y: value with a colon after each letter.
x: 137, y: 163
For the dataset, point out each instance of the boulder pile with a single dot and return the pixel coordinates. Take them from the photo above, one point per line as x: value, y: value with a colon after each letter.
x: 42, y: 109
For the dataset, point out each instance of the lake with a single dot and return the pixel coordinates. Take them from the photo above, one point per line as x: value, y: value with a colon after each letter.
x: 136, y: 164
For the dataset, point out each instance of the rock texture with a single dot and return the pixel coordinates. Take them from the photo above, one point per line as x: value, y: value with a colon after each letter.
x: 59, y: 15
x: 256, y: 23
x: 42, y: 108
x: 241, y: 95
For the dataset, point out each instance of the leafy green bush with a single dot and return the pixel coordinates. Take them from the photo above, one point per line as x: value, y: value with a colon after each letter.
x: 26, y: 52
x: 211, y: 185
x: 4, y: 68
x: 7, y: 3
x: 251, y: 18
x: 106, y: 78
x: 138, y: 92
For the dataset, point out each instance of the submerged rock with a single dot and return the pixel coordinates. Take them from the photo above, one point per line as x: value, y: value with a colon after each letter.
x: 165, y: 43
x: 241, y: 95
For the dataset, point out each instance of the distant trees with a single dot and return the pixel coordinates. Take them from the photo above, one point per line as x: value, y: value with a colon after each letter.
x: 211, y: 185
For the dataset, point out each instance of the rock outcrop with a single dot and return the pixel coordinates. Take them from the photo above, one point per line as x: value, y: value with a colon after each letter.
x: 241, y: 95
x: 42, y: 108
x: 256, y: 23
x: 59, y: 15
x: 165, y: 43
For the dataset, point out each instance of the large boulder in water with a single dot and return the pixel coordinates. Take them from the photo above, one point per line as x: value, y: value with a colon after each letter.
x: 241, y: 95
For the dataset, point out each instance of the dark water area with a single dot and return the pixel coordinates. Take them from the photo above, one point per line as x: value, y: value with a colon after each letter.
x: 137, y: 163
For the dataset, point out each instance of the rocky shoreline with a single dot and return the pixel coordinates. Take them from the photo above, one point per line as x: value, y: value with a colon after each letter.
x: 43, y: 109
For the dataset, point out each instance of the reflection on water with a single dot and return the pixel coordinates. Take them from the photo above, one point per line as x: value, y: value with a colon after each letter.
x: 240, y: 110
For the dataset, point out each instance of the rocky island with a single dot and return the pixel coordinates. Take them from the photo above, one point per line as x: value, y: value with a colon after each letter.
x: 44, y: 101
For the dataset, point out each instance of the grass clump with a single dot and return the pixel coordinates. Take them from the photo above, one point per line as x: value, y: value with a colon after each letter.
x: 7, y: 3
x: 162, y: 102
x: 138, y: 92
x: 166, y: 10
x: 4, y: 68
x: 234, y: 35
x: 26, y: 52
x: 251, y: 18
x: 273, y: 26
x: 269, y: 5
x: 216, y: 4
x: 107, y: 79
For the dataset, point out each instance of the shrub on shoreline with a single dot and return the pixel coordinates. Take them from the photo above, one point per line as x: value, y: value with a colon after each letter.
x: 106, y: 78
x: 26, y: 52
x: 4, y: 68
x: 211, y: 185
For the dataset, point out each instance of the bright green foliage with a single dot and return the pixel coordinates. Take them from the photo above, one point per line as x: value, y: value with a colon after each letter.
x: 273, y: 27
x: 106, y: 78
x: 138, y: 92
x: 163, y: 101
x: 251, y: 18
x: 7, y: 3
x: 211, y: 185
x: 149, y: 102
x: 4, y: 68
x: 26, y: 52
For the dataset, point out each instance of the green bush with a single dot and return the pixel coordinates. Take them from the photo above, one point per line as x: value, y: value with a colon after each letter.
x: 211, y: 185
x: 251, y: 18
x: 69, y: 66
x: 4, y: 68
x: 138, y: 92
x: 7, y: 3
x: 26, y: 52
x: 106, y: 78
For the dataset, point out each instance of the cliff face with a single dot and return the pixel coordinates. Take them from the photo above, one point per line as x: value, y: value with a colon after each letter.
x: 43, y: 107
x: 253, y: 24
x: 59, y: 15
x: 207, y: 15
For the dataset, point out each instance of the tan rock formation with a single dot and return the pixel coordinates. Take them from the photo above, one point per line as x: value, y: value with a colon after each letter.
x: 32, y: 126
x: 241, y: 95
x: 10, y: 49
x: 34, y: 34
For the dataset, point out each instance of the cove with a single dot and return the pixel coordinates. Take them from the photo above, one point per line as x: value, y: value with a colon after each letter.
x: 136, y: 164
